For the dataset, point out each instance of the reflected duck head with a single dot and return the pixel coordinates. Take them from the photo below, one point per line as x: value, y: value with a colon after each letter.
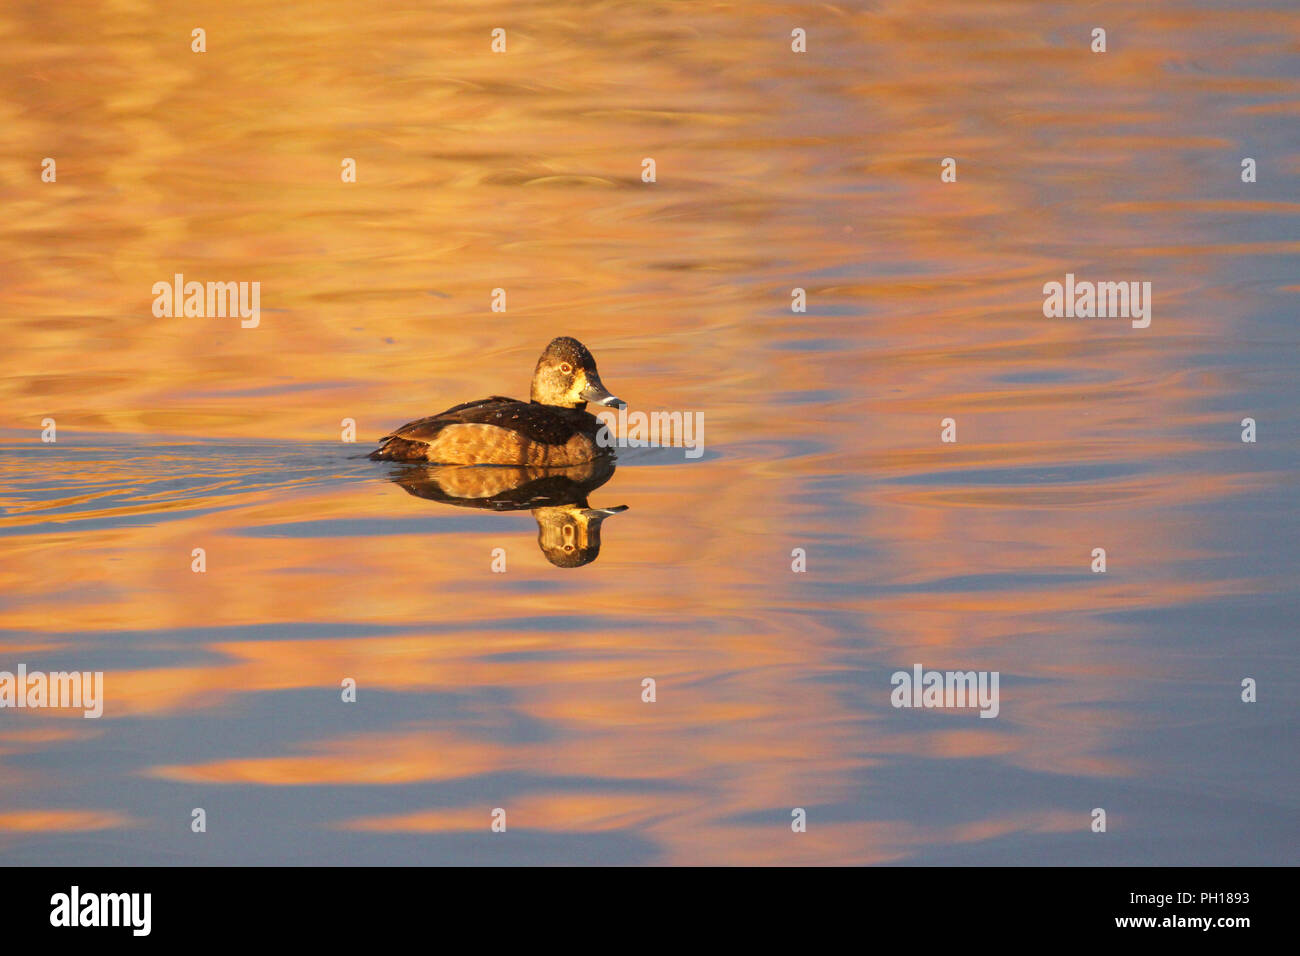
x: 569, y: 535
x: 568, y: 529
x: 566, y: 376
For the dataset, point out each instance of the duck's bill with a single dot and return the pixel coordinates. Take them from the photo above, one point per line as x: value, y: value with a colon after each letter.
x: 597, y: 394
x: 604, y: 512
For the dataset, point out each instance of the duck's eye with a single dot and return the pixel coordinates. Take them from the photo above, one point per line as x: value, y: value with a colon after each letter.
x: 568, y: 547
x: 566, y: 368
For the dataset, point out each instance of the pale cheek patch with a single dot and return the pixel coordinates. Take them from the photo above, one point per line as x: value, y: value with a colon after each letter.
x: 576, y: 387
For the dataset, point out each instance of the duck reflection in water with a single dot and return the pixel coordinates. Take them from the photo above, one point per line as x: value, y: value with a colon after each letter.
x: 568, y: 529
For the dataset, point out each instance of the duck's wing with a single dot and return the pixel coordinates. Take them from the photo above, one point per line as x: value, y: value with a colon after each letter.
x: 424, y: 429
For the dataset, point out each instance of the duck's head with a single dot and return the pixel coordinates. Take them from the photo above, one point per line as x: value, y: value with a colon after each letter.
x: 569, y: 535
x: 566, y: 376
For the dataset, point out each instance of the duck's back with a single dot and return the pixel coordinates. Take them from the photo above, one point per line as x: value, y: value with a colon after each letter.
x: 495, y: 431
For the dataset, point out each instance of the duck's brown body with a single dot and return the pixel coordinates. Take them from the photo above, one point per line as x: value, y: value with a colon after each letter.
x: 496, y: 431
x: 553, y: 430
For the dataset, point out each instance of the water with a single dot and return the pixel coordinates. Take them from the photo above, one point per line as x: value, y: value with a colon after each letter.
x: 522, y: 689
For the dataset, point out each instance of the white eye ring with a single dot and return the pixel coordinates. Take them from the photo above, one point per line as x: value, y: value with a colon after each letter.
x: 566, y: 367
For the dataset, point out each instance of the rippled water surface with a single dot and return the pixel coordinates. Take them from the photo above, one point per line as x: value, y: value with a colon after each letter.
x: 775, y: 170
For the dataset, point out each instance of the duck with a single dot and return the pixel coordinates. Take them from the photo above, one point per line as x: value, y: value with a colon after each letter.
x: 551, y: 430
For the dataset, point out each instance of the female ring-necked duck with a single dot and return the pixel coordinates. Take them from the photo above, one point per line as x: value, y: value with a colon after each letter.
x: 554, y: 429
